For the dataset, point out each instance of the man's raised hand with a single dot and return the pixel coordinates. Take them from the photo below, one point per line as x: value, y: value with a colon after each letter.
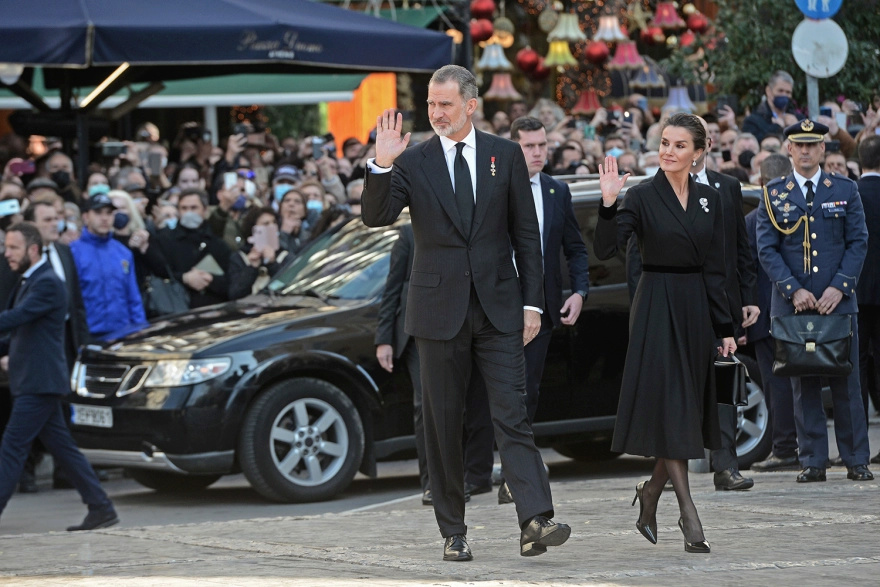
x: 389, y: 144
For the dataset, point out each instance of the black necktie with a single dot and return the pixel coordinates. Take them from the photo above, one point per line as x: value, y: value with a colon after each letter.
x: 809, y: 185
x: 464, y: 189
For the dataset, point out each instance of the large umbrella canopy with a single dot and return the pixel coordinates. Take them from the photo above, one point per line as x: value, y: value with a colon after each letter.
x: 168, y: 39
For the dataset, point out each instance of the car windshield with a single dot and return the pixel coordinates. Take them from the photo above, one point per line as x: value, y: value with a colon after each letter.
x: 349, y: 264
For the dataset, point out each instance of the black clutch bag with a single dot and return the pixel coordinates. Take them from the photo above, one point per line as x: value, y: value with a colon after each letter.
x: 812, y: 345
x: 730, y: 381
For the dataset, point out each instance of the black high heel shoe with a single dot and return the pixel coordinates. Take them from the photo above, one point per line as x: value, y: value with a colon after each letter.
x: 646, y: 530
x: 701, y: 547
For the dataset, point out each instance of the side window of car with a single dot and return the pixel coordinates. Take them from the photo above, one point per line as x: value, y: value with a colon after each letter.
x: 611, y: 271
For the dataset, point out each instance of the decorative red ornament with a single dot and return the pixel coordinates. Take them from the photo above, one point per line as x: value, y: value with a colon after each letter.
x: 527, y: 59
x: 687, y: 38
x: 482, y: 8
x: 698, y: 22
x: 597, y: 52
x: 652, y: 35
x: 481, y: 30
x: 541, y: 71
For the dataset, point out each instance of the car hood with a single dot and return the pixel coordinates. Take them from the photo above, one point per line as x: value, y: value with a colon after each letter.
x: 212, y: 326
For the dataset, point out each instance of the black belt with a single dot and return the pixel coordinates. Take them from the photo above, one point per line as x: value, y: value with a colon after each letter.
x: 670, y: 269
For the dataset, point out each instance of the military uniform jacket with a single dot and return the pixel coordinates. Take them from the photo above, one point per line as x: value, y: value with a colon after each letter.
x: 837, y: 238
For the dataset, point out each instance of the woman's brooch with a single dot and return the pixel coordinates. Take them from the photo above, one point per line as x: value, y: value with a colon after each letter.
x: 705, y: 204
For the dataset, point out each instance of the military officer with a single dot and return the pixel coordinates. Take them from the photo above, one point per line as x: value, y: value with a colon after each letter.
x: 815, y: 267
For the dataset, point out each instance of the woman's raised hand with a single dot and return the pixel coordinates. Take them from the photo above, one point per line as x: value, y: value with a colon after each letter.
x: 610, y: 182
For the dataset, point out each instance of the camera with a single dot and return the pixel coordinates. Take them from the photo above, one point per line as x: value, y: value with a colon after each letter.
x: 825, y: 111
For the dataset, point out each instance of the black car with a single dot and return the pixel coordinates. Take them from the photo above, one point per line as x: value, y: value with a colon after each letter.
x: 285, y: 386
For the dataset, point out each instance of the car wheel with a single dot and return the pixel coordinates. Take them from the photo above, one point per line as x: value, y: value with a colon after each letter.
x: 171, y: 482
x: 753, y: 438
x: 587, y: 451
x: 302, y: 440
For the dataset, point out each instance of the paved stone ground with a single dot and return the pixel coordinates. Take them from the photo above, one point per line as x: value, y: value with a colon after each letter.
x: 779, y: 533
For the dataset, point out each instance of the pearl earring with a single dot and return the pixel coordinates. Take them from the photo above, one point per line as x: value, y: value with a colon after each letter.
x: 694, y: 164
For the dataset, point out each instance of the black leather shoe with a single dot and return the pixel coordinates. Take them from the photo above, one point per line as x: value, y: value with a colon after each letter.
x: 859, y: 473
x: 811, y: 475
x: 701, y: 547
x: 427, y: 499
x: 477, y: 489
x: 776, y: 463
x: 456, y: 549
x: 876, y: 459
x: 646, y: 529
x: 504, y: 494
x: 540, y: 533
x: 97, y: 519
x: 731, y: 480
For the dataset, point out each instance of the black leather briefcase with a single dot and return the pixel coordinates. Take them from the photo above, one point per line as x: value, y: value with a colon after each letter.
x: 730, y: 381
x: 812, y: 345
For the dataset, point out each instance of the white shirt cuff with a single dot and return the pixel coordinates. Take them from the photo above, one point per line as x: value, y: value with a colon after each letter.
x: 538, y: 310
x: 371, y: 163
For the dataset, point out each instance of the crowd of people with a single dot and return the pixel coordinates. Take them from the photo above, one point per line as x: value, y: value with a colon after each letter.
x: 221, y: 221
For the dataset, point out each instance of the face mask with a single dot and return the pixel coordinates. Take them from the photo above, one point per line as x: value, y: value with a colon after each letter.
x: 171, y: 223
x: 98, y: 188
x: 614, y: 152
x: 780, y: 102
x: 240, y: 203
x: 191, y: 220
x: 120, y: 221
x: 61, y: 179
x: 315, y: 205
x: 281, y: 189
x: 652, y: 170
x: 61, y: 225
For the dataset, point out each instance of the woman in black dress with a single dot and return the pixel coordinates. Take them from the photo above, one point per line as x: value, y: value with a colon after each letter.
x: 667, y: 403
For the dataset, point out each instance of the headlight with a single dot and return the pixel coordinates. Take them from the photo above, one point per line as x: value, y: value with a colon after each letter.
x: 174, y: 373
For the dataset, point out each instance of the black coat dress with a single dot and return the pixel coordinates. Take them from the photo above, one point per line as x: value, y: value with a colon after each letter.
x: 667, y: 402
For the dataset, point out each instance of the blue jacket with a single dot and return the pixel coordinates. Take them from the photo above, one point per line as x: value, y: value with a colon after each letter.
x: 32, y: 331
x: 109, y: 284
x: 838, y: 241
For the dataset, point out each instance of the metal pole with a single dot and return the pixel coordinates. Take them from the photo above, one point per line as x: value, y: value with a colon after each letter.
x: 813, y: 96
x: 82, y: 145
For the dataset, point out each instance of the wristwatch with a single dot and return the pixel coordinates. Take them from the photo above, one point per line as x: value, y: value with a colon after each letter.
x: 582, y: 293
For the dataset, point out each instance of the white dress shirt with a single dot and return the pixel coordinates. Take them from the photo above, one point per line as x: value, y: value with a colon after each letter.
x: 55, y: 260
x: 538, y: 196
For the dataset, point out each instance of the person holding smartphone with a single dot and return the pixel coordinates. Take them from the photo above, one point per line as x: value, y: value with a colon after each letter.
x: 260, y: 256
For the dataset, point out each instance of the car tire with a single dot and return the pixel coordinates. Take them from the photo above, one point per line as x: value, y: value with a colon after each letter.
x: 171, y: 482
x: 587, y: 451
x: 302, y: 440
x: 753, y: 438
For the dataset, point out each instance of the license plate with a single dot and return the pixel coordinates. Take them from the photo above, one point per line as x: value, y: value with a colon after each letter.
x: 91, y: 416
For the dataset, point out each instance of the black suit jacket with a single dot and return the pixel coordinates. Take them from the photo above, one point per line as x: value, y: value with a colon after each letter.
x: 33, y: 331
x: 741, y: 269
x: 761, y: 328
x: 77, y: 328
x: 446, y: 260
x: 868, y: 288
x: 561, y: 232
x: 392, y: 308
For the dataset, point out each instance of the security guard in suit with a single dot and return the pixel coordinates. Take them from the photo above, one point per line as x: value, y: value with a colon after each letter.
x: 812, y: 242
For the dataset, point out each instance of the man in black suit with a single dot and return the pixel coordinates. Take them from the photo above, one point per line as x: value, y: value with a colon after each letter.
x: 742, y: 299
x: 392, y: 342
x: 33, y: 325
x: 868, y: 288
x: 468, y: 302
x: 560, y: 233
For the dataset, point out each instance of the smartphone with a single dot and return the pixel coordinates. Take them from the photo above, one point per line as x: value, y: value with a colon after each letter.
x: 9, y: 207
x: 730, y: 100
x: 265, y: 236
x: 825, y: 111
x: 832, y: 146
x: 154, y: 164
x: 25, y: 167
x: 256, y: 139
x: 635, y: 145
x: 112, y: 149
x: 841, y: 119
x: 725, y: 155
x: 262, y: 175
x: 627, y: 117
x: 589, y: 131
x: 317, y: 147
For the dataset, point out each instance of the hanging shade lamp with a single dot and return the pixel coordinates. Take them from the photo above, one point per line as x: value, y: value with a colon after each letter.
x: 567, y: 29
x: 647, y: 78
x: 502, y: 88
x: 626, y: 56
x: 609, y: 30
x: 679, y: 101
x: 493, y: 59
x: 559, y: 55
x: 587, y: 104
x: 666, y: 16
